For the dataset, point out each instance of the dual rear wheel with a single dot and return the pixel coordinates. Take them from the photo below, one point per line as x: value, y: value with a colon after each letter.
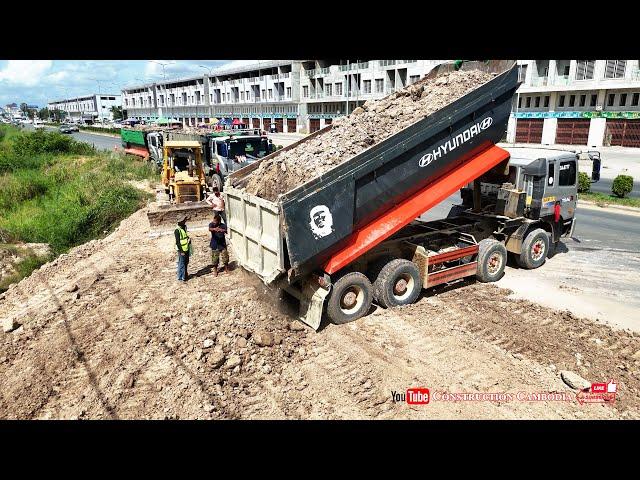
x: 390, y: 283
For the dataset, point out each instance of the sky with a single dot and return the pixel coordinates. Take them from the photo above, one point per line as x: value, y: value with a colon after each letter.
x: 37, y: 82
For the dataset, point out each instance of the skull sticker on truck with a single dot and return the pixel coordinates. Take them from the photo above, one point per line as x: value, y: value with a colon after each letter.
x: 321, y: 221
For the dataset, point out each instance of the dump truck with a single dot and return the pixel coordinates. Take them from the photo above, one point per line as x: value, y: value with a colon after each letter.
x: 352, y: 235
x: 143, y: 143
x: 226, y: 151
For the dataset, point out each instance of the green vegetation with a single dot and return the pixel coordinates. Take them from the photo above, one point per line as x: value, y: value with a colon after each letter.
x: 89, y: 128
x: 56, y: 190
x: 584, y: 183
x: 603, y: 200
x: 622, y: 185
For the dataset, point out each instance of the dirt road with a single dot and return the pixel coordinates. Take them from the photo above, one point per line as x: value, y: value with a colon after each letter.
x: 108, y: 333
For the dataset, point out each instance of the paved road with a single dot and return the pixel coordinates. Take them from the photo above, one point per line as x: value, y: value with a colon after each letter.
x: 595, y: 227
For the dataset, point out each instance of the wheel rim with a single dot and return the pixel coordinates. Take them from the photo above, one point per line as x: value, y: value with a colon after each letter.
x: 351, y: 300
x: 495, y: 263
x: 537, y: 250
x: 403, y: 286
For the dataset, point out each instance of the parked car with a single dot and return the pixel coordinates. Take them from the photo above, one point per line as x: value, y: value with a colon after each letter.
x: 66, y: 128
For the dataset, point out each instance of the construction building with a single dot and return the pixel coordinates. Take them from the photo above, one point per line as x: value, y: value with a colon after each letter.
x: 293, y: 95
x: 88, y: 109
x: 590, y: 103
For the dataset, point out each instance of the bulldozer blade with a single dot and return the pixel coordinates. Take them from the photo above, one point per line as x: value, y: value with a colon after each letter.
x: 161, y: 214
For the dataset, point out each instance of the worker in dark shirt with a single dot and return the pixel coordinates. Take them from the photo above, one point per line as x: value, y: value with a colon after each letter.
x: 183, y: 246
x: 218, y: 244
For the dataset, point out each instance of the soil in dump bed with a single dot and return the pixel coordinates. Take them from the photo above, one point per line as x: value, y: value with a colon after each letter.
x: 366, y: 126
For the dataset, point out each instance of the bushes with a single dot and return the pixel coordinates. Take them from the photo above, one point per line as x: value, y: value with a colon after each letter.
x: 584, y: 183
x: 115, y: 131
x: 622, y: 185
x: 40, y: 141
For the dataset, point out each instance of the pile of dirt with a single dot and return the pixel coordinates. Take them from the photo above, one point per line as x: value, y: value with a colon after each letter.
x: 366, y: 126
x: 106, y: 331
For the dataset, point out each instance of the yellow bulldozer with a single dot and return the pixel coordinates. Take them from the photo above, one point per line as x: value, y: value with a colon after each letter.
x: 184, y: 182
x: 182, y: 171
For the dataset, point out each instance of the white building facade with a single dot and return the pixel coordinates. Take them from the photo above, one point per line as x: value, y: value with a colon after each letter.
x: 591, y: 103
x: 91, y: 108
x: 294, y: 96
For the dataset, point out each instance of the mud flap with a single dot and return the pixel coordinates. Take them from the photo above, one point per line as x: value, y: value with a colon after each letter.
x: 311, y: 297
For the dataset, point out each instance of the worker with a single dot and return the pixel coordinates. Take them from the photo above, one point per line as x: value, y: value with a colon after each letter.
x: 218, y: 244
x: 217, y: 202
x: 183, y: 245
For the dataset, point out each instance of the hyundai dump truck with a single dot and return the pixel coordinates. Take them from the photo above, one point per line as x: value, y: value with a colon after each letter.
x: 226, y: 151
x: 349, y: 237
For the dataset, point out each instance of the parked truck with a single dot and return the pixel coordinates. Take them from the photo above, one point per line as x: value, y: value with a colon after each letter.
x: 145, y: 143
x: 351, y: 236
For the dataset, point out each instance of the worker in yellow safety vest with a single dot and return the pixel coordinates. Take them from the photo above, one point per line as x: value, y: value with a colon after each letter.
x: 183, y: 245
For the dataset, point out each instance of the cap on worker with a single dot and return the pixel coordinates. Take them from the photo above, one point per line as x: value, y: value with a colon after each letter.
x: 182, y: 219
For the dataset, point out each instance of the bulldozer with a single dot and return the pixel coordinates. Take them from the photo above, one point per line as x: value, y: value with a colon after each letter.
x: 184, y: 182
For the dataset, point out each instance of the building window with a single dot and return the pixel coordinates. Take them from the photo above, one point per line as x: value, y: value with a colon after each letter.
x: 328, y: 89
x: 537, y: 102
x: 623, y: 99
x: 583, y: 100
x: 615, y: 69
x: 594, y: 99
x: 519, y: 102
x: 305, y: 91
x: 242, y: 96
x: 414, y: 78
x: 338, y: 89
x: 584, y: 70
x: 572, y: 100
x: 611, y: 99
x: 634, y: 99
x: 546, y: 101
x: 288, y: 92
x: 367, y: 86
x: 528, y: 102
x: 379, y: 85
x: 561, y: 101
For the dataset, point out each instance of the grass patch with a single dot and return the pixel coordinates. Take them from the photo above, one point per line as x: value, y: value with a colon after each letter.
x: 58, y: 191
x: 603, y: 199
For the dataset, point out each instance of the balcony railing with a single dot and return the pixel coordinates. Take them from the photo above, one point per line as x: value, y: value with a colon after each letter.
x: 386, y: 63
x: 561, y: 80
x: 539, y: 81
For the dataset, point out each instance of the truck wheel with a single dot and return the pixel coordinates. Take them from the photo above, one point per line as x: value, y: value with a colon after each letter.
x: 350, y: 298
x: 399, y: 283
x: 216, y: 181
x: 492, y: 258
x: 534, y: 249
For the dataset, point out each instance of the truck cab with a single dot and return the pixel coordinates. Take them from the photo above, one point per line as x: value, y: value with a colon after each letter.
x: 232, y: 152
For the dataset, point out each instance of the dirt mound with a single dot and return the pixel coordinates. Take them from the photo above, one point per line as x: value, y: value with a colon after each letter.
x: 365, y: 127
x: 107, y: 332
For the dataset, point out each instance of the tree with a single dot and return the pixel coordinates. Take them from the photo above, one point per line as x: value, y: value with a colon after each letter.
x: 23, y: 108
x: 117, y: 113
x: 44, y: 114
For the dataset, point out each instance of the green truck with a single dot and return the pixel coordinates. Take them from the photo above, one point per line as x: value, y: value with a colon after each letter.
x: 143, y: 143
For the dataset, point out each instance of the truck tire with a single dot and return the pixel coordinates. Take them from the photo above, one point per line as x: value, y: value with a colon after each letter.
x: 492, y: 259
x: 398, y: 283
x: 350, y: 298
x: 216, y: 181
x: 535, y: 248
